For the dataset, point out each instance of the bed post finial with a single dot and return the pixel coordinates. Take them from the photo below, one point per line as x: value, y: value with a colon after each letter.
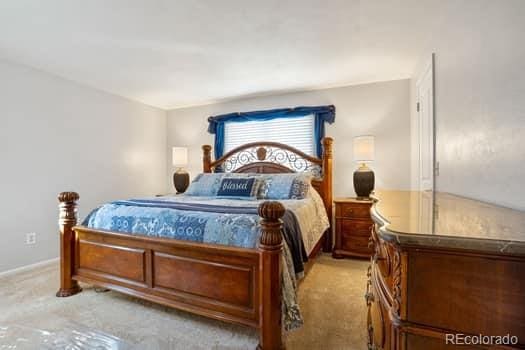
x: 327, y: 146
x: 67, y: 220
x: 270, y: 246
x: 271, y: 213
x: 206, y: 158
x: 328, y: 187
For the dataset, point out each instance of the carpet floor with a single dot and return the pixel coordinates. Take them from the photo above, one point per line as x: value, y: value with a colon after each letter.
x: 330, y: 296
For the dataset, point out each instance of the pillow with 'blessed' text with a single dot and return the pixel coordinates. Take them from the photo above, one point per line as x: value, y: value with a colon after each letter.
x: 239, y: 187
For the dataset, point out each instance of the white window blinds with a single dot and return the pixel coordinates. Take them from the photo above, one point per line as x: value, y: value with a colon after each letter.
x: 296, y: 132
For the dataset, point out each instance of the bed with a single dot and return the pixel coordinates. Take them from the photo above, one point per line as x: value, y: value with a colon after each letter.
x: 239, y: 281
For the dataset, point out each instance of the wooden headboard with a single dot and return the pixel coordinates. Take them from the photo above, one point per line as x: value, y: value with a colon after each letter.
x: 275, y: 158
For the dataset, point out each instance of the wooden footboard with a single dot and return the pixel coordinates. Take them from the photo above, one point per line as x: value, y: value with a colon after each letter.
x: 226, y: 283
x: 218, y: 282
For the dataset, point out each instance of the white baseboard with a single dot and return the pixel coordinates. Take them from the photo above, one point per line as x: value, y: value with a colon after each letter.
x: 29, y: 267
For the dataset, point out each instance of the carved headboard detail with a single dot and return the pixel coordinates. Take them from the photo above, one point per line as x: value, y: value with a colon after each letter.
x: 274, y: 158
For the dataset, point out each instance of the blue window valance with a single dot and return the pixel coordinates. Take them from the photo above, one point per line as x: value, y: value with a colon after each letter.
x: 323, y: 114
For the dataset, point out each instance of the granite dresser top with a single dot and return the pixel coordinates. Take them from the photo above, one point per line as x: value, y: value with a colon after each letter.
x: 437, y: 219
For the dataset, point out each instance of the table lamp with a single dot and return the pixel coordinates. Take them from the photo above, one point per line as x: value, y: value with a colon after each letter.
x: 364, y: 177
x: 181, y: 178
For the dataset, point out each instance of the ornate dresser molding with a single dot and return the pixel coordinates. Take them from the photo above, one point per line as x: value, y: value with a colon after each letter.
x: 445, y: 265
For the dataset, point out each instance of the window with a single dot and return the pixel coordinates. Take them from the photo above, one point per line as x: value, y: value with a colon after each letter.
x: 296, y: 132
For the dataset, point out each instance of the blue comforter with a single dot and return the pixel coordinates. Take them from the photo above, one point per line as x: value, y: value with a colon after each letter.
x: 186, y: 221
x: 172, y: 217
x: 185, y: 218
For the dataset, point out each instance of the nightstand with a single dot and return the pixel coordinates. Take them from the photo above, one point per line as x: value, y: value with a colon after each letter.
x: 353, y: 225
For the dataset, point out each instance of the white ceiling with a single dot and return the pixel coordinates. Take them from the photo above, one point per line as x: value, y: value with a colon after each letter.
x: 177, y: 53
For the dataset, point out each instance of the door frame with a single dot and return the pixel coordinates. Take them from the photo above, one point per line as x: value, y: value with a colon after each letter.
x: 429, y: 66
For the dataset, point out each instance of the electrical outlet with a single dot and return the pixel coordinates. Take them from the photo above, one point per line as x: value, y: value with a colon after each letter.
x: 31, y: 238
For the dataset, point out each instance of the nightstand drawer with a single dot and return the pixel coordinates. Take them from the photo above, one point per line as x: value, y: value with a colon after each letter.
x: 356, y: 244
x: 353, y: 211
x: 355, y: 228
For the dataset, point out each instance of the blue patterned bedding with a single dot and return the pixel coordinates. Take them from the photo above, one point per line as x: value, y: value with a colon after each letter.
x: 207, y: 220
x: 195, y: 221
x: 234, y: 226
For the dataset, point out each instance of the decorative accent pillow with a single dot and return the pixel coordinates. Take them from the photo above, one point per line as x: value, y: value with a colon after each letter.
x: 300, y: 188
x: 239, y: 187
x: 206, y: 184
x: 285, y: 186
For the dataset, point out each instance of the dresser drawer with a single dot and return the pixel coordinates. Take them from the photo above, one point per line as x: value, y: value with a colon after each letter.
x: 353, y: 210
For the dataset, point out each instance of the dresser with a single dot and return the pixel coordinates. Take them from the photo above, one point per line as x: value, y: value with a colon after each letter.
x: 445, y: 270
x: 352, y: 228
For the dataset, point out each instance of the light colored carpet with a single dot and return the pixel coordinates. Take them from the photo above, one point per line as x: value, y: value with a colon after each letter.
x: 330, y: 296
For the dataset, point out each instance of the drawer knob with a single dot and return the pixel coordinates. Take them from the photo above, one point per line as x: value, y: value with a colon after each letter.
x: 369, y: 297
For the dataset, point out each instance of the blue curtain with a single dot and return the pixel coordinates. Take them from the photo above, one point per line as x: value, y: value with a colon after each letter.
x: 323, y: 114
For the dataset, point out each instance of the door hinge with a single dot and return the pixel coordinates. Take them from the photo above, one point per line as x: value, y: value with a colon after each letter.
x: 436, y: 169
x: 417, y: 107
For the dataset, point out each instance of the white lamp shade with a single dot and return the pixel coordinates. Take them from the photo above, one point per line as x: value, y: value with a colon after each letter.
x: 180, y: 156
x: 364, y: 148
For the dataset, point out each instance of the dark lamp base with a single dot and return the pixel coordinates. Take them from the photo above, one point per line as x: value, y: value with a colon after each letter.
x: 364, y: 180
x: 181, y: 180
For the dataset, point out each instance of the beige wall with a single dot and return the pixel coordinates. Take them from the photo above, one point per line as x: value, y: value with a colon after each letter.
x: 380, y: 109
x: 480, y: 101
x: 56, y: 136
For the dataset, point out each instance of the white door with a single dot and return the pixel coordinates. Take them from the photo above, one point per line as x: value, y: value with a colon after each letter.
x: 425, y: 108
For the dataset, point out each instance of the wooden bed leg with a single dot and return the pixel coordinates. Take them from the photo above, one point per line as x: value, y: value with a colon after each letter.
x: 270, y: 246
x: 67, y: 220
